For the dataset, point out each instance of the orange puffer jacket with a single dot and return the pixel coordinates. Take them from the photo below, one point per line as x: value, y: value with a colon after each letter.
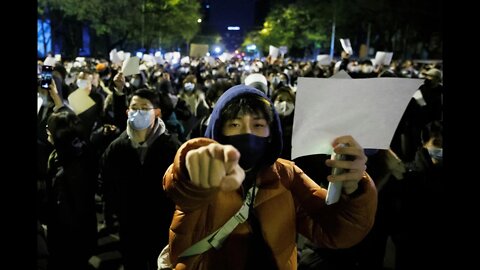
x: 288, y: 202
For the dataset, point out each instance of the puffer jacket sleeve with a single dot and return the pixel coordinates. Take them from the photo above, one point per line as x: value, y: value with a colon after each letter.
x: 340, y: 225
x: 176, y: 181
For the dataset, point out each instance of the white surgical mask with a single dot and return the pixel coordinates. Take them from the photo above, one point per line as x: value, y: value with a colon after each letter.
x: 284, y: 108
x: 82, y: 84
x: 139, y: 119
x: 436, y: 153
x: 189, y: 87
x: 135, y: 82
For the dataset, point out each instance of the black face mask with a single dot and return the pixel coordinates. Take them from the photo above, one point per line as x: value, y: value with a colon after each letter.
x: 251, y: 148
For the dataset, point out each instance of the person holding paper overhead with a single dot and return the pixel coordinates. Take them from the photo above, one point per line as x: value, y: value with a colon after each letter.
x: 238, y: 163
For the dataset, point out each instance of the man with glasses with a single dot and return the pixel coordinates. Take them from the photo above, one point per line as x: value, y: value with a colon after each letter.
x: 132, y: 168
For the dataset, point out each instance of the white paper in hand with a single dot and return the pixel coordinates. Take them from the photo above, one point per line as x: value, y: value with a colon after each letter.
x: 367, y: 109
x: 114, y: 57
x: 335, y: 188
x: 346, y: 45
x: 80, y: 101
x: 131, y: 66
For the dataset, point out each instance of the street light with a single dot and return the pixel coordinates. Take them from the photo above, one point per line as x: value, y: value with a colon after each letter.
x: 199, y: 20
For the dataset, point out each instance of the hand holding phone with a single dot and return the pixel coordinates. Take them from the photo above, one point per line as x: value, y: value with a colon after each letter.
x: 46, y: 77
x: 335, y: 188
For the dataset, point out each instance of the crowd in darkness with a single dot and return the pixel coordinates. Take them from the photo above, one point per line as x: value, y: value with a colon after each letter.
x: 100, y: 169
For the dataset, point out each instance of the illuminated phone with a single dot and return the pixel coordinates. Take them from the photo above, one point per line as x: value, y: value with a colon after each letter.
x: 335, y: 188
x: 46, y: 77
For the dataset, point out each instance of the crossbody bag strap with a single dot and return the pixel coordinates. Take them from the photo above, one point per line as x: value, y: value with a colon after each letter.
x: 217, y: 238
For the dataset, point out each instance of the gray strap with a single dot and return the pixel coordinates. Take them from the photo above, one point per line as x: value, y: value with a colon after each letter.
x: 217, y: 238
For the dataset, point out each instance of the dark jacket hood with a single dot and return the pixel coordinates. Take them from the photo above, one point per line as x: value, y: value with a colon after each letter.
x: 214, y: 130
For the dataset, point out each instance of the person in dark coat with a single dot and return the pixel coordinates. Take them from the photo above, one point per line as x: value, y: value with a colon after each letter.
x: 132, y: 169
x: 70, y: 186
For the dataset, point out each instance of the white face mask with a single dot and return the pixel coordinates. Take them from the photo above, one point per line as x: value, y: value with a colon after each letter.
x: 284, y: 108
x: 139, y: 119
x: 135, y: 82
x: 82, y: 84
x: 189, y: 87
x: 436, y: 153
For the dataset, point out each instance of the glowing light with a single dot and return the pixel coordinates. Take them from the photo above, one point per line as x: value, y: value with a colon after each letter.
x: 199, y: 20
x: 233, y: 28
x: 252, y: 47
x: 217, y: 49
x: 139, y: 55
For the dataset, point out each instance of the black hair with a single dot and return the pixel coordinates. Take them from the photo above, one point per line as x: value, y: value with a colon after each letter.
x: 218, y: 88
x: 67, y: 132
x: 146, y: 93
x: 247, y: 104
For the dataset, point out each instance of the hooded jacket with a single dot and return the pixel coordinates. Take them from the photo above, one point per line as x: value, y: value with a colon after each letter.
x: 288, y: 202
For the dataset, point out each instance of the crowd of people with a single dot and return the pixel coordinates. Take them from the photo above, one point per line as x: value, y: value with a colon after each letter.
x: 167, y: 156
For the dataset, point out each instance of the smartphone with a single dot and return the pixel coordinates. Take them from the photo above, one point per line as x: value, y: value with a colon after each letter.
x: 46, y: 77
x: 335, y: 188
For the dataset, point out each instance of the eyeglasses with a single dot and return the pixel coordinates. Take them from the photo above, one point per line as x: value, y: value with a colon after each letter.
x: 141, y: 110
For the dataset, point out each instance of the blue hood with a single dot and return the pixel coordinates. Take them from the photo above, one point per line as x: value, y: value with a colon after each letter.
x: 214, y: 130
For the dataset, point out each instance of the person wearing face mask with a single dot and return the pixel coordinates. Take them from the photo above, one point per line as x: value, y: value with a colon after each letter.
x: 284, y: 102
x: 138, y: 81
x: 93, y: 116
x: 425, y: 106
x: 423, y: 191
x: 432, y: 91
x: 238, y: 163
x: 194, y: 98
x: 365, y: 70
x: 132, y: 167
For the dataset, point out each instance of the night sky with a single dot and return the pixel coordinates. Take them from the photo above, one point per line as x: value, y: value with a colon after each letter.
x: 247, y: 14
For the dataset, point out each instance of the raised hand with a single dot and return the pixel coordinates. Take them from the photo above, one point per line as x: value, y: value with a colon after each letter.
x: 355, y: 167
x: 215, y: 166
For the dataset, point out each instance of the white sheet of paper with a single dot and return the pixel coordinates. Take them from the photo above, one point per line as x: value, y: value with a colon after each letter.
x: 114, y: 57
x: 121, y: 55
x: 185, y: 60
x: 346, y: 45
x: 225, y: 57
x: 169, y: 56
x: 80, y: 101
x: 149, y: 58
x: 177, y: 55
x: 323, y: 59
x: 342, y: 74
x: 367, y: 109
x: 283, y: 50
x: 273, y: 52
x: 159, y: 60
x: 49, y: 61
x: 131, y: 66
x: 210, y: 60
x: 39, y: 102
x: 383, y: 58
